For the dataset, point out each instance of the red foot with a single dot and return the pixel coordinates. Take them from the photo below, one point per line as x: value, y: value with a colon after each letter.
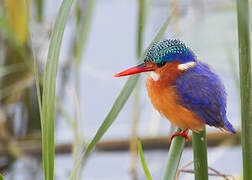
x: 183, y: 133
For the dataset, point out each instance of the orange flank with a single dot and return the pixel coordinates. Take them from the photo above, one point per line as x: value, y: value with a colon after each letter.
x: 164, y: 98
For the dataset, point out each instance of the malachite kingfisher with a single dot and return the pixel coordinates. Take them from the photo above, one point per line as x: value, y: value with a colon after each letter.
x: 183, y: 89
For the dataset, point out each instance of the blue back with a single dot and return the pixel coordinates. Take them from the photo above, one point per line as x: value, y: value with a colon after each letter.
x: 202, y: 92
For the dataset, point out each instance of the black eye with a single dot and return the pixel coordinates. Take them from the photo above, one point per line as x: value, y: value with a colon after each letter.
x: 161, y: 64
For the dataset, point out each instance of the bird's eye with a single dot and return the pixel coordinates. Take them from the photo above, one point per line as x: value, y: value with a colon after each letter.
x: 161, y: 64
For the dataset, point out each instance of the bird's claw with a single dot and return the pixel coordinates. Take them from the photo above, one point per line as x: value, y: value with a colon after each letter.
x: 183, y: 133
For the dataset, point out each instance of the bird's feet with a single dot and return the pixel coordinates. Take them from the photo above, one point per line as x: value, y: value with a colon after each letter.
x: 183, y: 133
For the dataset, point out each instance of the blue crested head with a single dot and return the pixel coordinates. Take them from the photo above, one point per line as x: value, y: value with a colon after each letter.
x: 170, y: 50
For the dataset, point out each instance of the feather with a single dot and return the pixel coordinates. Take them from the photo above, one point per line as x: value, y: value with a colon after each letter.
x: 202, y: 92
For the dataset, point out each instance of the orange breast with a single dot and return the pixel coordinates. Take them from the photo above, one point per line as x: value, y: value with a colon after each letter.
x: 164, y: 98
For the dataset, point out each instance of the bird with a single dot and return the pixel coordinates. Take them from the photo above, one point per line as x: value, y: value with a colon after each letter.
x: 182, y: 88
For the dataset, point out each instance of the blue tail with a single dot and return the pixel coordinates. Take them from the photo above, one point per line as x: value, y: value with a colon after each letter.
x: 229, y: 126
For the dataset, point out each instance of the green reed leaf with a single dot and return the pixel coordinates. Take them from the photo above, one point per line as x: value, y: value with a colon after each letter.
x: 123, y: 96
x: 144, y: 165
x: 245, y: 85
x: 49, y: 89
x: 200, y: 155
x: 174, y: 156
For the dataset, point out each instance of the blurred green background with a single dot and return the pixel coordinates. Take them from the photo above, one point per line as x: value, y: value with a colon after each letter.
x: 86, y: 89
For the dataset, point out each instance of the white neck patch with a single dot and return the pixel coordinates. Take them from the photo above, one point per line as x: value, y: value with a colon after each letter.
x: 153, y: 75
x: 186, y: 66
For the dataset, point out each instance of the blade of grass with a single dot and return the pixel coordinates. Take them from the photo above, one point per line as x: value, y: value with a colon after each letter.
x: 145, y: 168
x: 1, y: 177
x: 82, y: 28
x: 133, y: 139
x: 39, y: 4
x: 77, y: 141
x: 83, y: 32
x: 136, y: 108
x: 174, y: 156
x: 116, y: 108
x: 200, y: 155
x: 48, y: 97
x: 123, y: 96
x: 141, y: 25
x: 37, y: 74
x: 245, y: 85
x: 120, y: 101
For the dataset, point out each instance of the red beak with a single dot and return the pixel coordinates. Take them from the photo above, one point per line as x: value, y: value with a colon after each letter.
x: 134, y: 70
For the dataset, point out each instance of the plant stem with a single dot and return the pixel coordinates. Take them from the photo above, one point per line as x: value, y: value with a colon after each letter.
x: 83, y: 24
x: 141, y: 24
x: 122, y: 98
x: 49, y: 89
x: 145, y: 168
x: 136, y: 113
x: 174, y: 157
x: 245, y: 86
x: 83, y: 31
x: 40, y: 10
x: 133, y: 139
x: 200, y: 155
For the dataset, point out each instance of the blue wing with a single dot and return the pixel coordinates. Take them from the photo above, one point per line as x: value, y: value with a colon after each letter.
x: 202, y: 92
